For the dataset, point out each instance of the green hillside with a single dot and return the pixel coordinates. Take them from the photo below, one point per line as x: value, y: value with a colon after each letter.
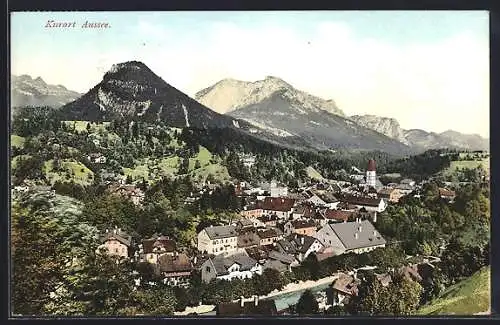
x: 17, y: 141
x: 468, y: 297
x: 69, y: 171
x: 470, y: 164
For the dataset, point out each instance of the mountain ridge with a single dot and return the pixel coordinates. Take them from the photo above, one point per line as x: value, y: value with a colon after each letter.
x: 26, y: 91
x: 420, y: 138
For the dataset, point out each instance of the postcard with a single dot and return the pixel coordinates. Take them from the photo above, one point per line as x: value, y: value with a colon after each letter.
x: 249, y: 163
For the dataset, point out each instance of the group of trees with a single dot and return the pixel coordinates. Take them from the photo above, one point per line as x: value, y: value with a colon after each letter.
x: 58, y: 271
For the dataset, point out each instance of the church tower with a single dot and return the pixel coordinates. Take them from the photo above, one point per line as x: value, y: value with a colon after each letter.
x: 371, y: 175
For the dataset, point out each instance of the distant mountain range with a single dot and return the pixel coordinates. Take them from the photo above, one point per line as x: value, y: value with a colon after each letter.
x: 26, y: 91
x: 270, y: 109
x: 277, y: 106
x: 132, y: 90
x: 420, y: 139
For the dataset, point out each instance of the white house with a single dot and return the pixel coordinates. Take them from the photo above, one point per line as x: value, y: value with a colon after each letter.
x: 152, y: 248
x: 345, y: 237
x: 218, y: 240
x: 369, y: 203
x: 238, y: 265
x: 281, y: 207
x: 305, y: 245
x: 116, y: 242
x: 278, y: 191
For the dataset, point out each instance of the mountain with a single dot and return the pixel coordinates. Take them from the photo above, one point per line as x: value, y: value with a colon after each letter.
x: 420, y: 139
x: 385, y: 125
x: 274, y: 105
x: 229, y: 95
x: 132, y: 90
x: 468, y: 141
x: 26, y: 91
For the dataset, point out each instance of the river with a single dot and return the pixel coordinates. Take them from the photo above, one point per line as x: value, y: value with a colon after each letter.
x: 291, y: 298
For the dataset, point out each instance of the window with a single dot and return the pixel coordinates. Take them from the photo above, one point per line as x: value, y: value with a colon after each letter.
x: 207, y: 269
x: 116, y: 250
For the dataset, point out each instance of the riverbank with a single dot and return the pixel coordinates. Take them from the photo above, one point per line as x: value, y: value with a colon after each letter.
x: 302, y: 285
x: 203, y: 309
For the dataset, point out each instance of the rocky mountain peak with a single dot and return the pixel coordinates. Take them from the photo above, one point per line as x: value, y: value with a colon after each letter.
x: 229, y: 95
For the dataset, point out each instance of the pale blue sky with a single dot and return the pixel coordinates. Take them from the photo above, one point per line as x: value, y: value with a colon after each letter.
x: 412, y: 66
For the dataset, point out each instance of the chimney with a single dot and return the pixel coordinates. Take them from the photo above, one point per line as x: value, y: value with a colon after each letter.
x: 211, y: 226
x: 360, y: 229
x: 242, y: 301
x: 195, y: 260
x: 374, y: 233
x: 356, y: 235
x: 256, y: 300
x: 107, y: 230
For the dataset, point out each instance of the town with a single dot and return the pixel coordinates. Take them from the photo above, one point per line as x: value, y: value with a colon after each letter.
x: 279, y: 230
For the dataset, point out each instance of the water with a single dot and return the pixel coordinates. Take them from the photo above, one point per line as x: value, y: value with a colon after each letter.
x: 287, y: 299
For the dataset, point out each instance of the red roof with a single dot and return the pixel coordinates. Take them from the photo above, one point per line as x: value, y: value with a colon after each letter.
x: 446, y: 192
x: 371, y: 165
x: 338, y: 214
x: 278, y: 204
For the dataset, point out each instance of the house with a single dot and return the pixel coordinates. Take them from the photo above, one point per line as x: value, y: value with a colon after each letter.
x: 405, y: 189
x: 152, y: 248
x: 97, y: 158
x: 278, y: 191
x: 258, y: 253
x: 390, y: 194
x: 305, y: 211
x: 256, y: 307
x: 300, y: 227
x: 116, y: 243
x: 408, y: 181
x: 329, y: 200
x: 238, y: 265
x: 343, y: 288
x: 248, y: 161
x: 447, y: 194
x: 218, y: 240
x: 244, y: 225
x: 176, y: 269
x: 288, y: 259
x: 248, y: 239
x: 269, y: 236
x: 370, y: 204
x: 252, y: 211
x: 315, y: 199
x: 305, y: 245
x: 135, y: 194
x: 276, y: 265
x: 285, y: 246
x: 355, y: 236
x: 269, y: 220
x: 281, y: 207
x: 338, y: 215
x: 411, y: 272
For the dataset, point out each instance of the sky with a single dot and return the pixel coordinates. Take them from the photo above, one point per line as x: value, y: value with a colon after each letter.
x: 427, y: 69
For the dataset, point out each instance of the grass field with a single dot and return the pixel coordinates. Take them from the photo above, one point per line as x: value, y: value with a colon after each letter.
x: 17, y: 141
x: 170, y: 165
x: 82, y: 125
x: 313, y: 173
x: 467, y: 297
x: 71, y: 171
x: 13, y: 162
x: 455, y: 165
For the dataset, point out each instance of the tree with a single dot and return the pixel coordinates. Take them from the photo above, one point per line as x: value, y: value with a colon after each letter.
x: 197, y: 164
x: 50, y: 244
x: 307, y: 304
